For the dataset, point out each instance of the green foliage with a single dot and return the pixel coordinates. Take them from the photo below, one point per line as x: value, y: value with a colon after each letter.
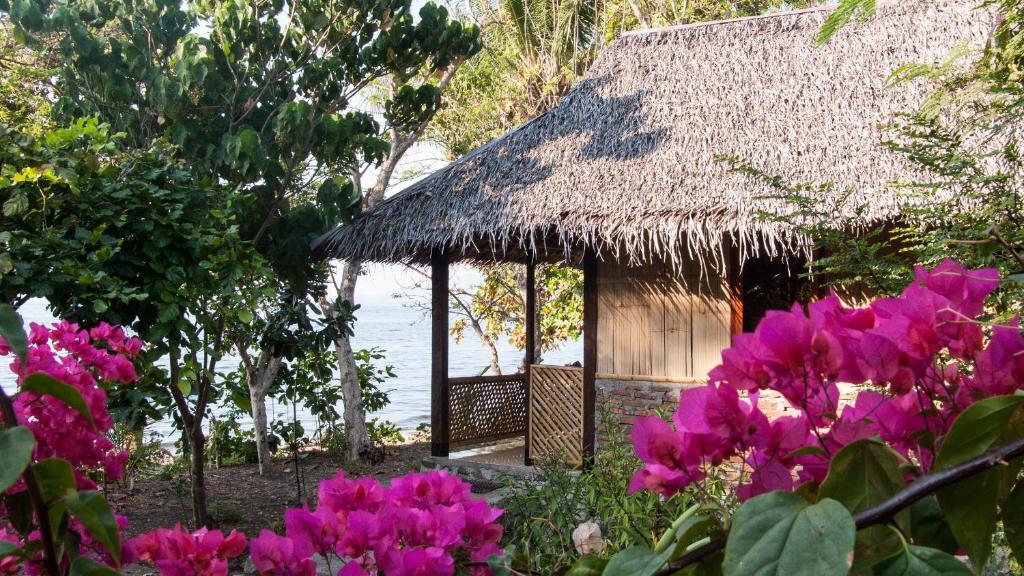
x: 16, y: 444
x: 862, y: 475
x: 920, y: 561
x: 498, y: 303
x: 973, y: 502
x: 781, y: 533
x: 541, y: 514
x: 144, y: 456
x: 229, y: 444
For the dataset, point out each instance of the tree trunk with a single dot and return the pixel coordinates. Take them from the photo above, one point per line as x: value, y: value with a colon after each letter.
x: 356, y: 436
x: 196, y: 472
x: 259, y: 386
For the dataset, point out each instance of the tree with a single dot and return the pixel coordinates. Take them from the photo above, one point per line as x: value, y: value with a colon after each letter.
x: 257, y: 98
x: 106, y: 235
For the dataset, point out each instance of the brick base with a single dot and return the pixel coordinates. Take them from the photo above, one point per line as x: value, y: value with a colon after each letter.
x: 628, y: 399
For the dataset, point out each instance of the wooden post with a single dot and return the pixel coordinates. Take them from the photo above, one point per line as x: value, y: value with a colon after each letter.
x: 589, y: 352
x: 735, y: 279
x: 530, y: 325
x: 439, y: 392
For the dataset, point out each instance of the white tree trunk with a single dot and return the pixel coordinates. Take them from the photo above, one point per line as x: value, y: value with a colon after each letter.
x: 356, y: 436
x: 259, y: 386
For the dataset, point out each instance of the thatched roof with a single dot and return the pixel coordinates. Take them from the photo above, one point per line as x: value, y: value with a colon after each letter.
x: 630, y: 159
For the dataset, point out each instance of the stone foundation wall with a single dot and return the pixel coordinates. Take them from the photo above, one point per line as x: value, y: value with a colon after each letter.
x: 625, y: 400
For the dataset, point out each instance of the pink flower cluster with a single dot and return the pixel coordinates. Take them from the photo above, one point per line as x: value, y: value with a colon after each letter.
x: 924, y: 351
x: 81, y: 359
x: 176, y: 552
x: 77, y: 357
x: 420, y: 525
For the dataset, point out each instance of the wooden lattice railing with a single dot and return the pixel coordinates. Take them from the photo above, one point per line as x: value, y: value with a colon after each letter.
x: 486, y: 408
x: 556, y: 412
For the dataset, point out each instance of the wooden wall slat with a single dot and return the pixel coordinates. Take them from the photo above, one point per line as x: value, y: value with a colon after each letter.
x: 651, y: 323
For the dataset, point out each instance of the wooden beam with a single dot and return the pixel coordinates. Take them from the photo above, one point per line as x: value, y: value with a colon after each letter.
x: 589, y: 352
x: 530, y: 325
x: 735, y: 279
x: 439, y: 392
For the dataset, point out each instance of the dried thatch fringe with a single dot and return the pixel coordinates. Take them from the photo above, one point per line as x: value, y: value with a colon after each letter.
x: 629, y: 160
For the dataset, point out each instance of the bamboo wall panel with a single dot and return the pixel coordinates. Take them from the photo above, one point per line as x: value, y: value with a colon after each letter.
x: 653, y: 324
x: 556, y: 412
x: 487, y: 408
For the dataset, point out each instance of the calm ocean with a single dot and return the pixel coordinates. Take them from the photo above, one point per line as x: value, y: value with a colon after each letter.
x: 385, y: 322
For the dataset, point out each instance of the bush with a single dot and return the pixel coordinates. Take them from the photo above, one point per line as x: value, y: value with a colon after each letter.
x: 541, y: 514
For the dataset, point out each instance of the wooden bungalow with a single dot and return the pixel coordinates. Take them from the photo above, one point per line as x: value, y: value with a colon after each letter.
x: 626, y: 178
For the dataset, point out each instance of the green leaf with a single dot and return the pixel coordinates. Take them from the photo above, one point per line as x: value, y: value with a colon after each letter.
x: 1013, y: 521
x: 781, y: 533
x: 56, y: 480
x: 863, y: 475
x: 970, y: 505
x: 636, y: 561
x: 245, y: 317
x: 19, y: 512
x: 16, y: 446
x: 45, y: 384
x: 83, y: 566
x: 928, y: 525
x: 13, y: 331
x: 975, y: 431
x: 8, y: 548
x: 93, y: 511
x: 921, y: 561
x: 588, y: 566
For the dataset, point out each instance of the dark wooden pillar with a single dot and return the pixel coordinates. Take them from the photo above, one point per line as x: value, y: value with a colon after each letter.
x: 439, y: 393
x: 589, y: 352
x: 530, y: 357
x: 735, y: 279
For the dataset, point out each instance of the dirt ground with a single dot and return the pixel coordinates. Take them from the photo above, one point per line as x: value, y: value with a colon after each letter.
x: 239, y: 498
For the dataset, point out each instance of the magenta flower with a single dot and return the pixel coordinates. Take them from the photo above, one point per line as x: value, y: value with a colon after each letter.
x: 901, y: 345
x: 277, y: 555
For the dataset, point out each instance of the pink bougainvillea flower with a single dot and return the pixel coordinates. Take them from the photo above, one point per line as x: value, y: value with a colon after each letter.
x: 923, y: 350
x: 177, y: 552
x: 274, y: 555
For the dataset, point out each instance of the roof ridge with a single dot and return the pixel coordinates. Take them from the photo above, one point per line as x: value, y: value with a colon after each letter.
x: 737, y: 20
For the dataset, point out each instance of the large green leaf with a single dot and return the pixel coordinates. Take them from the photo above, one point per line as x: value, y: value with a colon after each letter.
x: 8, y: 548
x: 45, y: 384
x: 93, y: 511
x: 12, y: 330
x: 56, y: 480
x: 15, y: 452
x: 928, y: 525
x: 19, y: 511
x: 1013, y: 521
x: 970, y: 505
x: 975, y: 431
x: 782, y: 534
x: 863, y: 475
x: 83, y: 566
x: 636, y: 561
x: 921, y: 561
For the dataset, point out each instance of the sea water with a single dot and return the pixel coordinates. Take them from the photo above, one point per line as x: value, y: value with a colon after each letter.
x: 390, y: 323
